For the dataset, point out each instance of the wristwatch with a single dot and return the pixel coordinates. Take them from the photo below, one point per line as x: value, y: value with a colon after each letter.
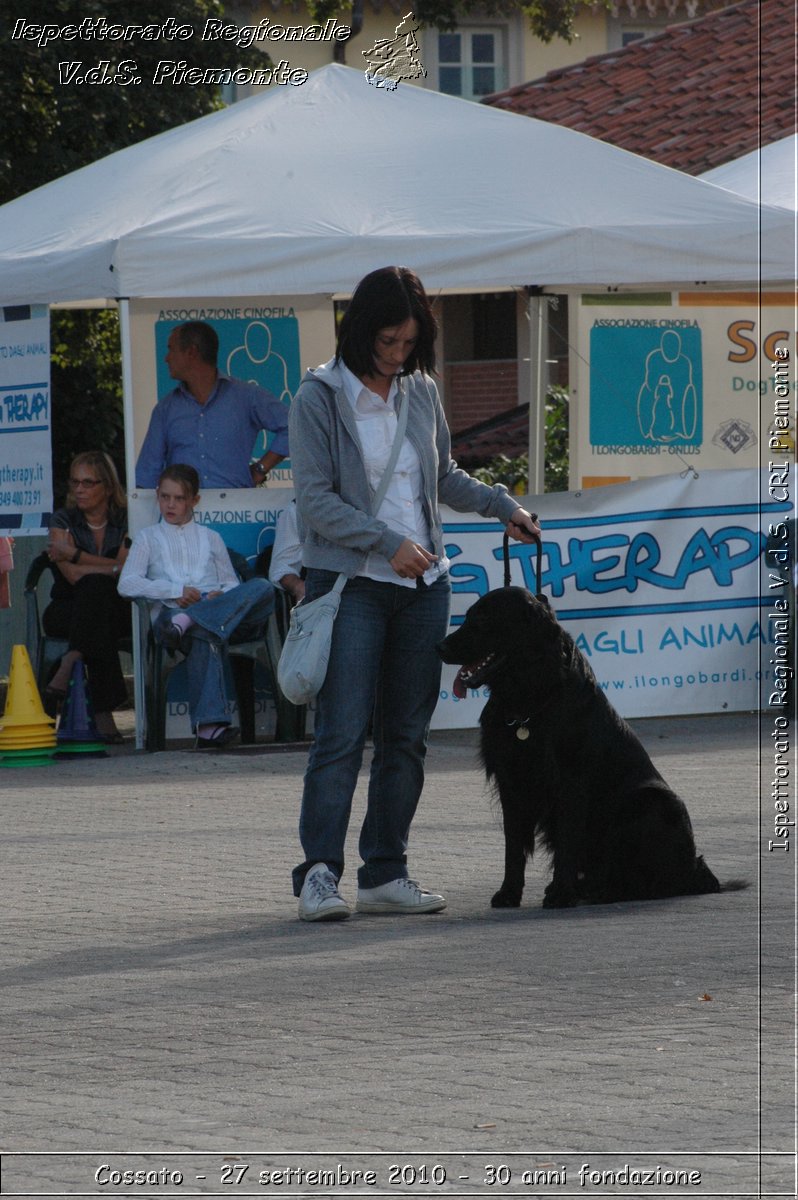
x: 259, y: 468
x: 76, y: 556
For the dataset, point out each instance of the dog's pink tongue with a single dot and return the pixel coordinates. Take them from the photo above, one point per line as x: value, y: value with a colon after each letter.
x: 459, y: 687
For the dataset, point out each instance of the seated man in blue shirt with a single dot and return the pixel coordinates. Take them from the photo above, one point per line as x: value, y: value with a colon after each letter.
x: 210, y: 421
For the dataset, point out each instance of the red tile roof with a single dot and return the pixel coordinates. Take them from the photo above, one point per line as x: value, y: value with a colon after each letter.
x: 506, y: 433
x: 692, y: 97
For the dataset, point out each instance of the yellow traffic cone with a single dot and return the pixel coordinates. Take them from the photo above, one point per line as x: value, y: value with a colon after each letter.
x: 27, y: 734
x: 23, y: 702
x: 22, y: 735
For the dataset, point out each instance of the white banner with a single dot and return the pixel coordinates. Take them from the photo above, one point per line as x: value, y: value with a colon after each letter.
x: 26, y: 473
x: 657, y: 581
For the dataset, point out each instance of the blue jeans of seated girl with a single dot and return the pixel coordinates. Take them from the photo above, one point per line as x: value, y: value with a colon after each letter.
x: 237, y: 615
x: 383, y: 662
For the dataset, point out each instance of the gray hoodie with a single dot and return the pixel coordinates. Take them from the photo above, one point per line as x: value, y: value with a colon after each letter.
x: 332, y: 490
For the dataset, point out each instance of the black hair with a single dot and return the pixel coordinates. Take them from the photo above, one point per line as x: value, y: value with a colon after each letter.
x: 382, y: 300
x: 202, y: 337
x: 182, y: 473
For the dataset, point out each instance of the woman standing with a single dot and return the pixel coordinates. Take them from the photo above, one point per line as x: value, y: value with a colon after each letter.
x: 395, y: 606
x: 87, y: 546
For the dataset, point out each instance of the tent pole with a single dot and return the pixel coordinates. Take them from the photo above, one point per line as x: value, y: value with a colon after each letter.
x: 536, y: 309
x: 130, y: 470
x: 127, y: 392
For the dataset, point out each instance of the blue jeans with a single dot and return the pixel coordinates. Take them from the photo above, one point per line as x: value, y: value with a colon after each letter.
x: 383, y: 662
x: 237, y: 615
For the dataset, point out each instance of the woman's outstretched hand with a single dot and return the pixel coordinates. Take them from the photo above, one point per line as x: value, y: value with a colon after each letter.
x: 523, y: 526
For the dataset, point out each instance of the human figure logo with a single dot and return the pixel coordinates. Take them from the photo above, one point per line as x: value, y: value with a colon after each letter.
x: 646, y: 384
x: 666, y: 403
x: 390, y: 60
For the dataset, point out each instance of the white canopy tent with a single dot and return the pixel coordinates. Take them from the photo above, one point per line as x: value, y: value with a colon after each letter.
x: 299, y: 191
x: 302, y: 190
x: 769, y: 174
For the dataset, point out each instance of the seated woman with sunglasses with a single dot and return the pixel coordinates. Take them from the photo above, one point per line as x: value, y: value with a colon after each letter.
x: 87, y: 548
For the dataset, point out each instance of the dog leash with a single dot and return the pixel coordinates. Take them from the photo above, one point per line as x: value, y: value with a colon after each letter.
x: 538, y: 563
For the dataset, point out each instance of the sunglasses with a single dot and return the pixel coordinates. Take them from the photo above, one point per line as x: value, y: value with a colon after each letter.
x: 83, y: 483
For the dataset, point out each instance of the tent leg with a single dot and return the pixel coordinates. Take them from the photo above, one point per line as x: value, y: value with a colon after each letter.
x: 130, y: 469
x: 536, y: 313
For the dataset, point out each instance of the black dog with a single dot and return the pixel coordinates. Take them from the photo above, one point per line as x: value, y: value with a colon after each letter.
x: 566, y: 767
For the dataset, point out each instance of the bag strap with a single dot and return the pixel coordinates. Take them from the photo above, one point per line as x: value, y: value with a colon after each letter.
x: 401, y: 426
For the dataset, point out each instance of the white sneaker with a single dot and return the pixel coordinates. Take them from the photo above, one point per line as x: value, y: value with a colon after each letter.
x: 399, y: 896
x: 319, y: 899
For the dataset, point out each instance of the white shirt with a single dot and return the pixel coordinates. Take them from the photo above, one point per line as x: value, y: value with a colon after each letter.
x: 286, y: 556
x: 401, y: 509
x: 166, y: 558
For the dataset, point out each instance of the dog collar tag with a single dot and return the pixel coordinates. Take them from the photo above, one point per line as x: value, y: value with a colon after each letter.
x: 522, y: 733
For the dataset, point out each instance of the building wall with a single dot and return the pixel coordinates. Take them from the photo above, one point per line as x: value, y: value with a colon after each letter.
x: 524, y: 56
x: 520, y: 55
x: 477, y: 391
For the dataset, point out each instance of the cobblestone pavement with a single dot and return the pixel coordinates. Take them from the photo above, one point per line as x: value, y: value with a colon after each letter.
x: 159, y: 994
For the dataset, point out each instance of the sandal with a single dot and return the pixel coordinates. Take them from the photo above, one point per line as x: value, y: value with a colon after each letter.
x: 64, y: 668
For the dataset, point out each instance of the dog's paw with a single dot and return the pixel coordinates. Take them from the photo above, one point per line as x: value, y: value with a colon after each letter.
x: 505, y: 898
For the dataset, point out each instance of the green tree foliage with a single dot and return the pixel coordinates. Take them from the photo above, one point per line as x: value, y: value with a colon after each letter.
x: 86, y: 388
x: 556, y: 463
x: 50, y: 128
x: 548, y: 19
x: 514, y: 472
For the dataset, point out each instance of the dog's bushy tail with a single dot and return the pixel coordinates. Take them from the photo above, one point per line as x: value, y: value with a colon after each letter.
x: 704, y: 881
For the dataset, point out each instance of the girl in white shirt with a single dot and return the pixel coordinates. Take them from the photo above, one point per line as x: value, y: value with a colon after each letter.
x: 198, y: 603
